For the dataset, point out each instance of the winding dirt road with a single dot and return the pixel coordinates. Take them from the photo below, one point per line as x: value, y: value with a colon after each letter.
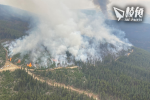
x: 52, y: 83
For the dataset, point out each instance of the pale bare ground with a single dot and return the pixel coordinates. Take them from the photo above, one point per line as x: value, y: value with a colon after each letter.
x: 67, y: 67
x: 63, y: 67
x: 130, y: 53
x: 9, y: 66
x: 56, y: 68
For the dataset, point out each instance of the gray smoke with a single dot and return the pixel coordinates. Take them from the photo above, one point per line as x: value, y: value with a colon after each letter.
x: 62, y: 29
x: 102, y: 4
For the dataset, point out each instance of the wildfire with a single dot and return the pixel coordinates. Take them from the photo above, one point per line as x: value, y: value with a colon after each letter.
x: 10, y: 59
x: 19, y: 61
x: 29, y: 65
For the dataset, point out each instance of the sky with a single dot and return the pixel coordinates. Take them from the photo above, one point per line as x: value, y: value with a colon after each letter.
x: 88, y: 4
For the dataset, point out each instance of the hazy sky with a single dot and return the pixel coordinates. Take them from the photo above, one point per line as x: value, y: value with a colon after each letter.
x: 88, y: 4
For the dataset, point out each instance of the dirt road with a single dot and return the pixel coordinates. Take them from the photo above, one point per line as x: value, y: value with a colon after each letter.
x: 51, y: 83
x: 57, y: 68
x: 9, y: 66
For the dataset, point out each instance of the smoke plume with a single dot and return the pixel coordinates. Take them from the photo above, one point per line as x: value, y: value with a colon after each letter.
x: 61, y: 28
x: 102, y: 4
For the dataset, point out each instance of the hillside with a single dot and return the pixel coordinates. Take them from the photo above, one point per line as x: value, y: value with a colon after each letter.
x: 128, y: 78
x: 15, y: 85
x: 18, y: 85
x: 13, y: 24
x: 12, y: 29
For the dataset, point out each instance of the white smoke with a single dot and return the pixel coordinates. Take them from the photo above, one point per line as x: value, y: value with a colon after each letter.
x: 62, y: 29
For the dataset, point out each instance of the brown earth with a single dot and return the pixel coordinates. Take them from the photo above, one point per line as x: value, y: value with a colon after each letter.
x: 57, y: 68
x: 130, y: 53
x: 9, y: 66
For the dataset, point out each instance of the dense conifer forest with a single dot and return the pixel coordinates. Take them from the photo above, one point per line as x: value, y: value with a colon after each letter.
x: 12, y: 29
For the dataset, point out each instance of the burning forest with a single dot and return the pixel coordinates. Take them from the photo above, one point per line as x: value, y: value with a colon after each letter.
x: 57, y: 28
